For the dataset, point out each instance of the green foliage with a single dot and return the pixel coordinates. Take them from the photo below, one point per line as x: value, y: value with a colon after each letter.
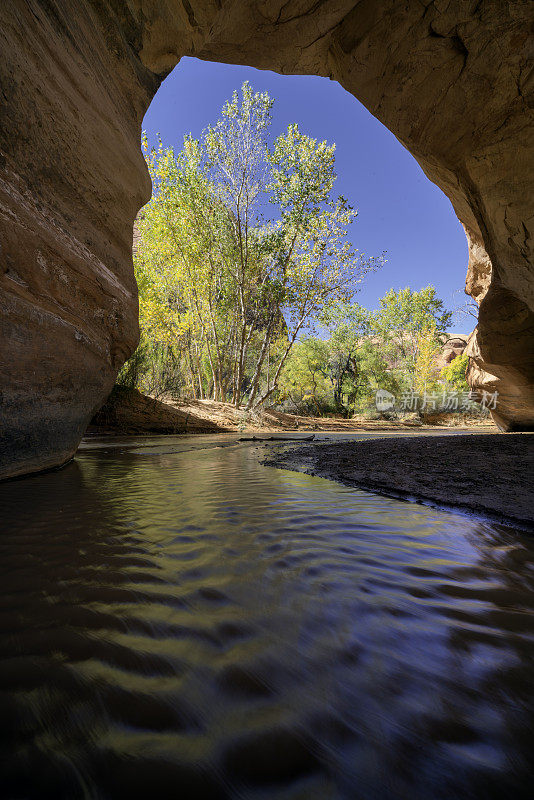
x: 375, y: 373
x: 454, y: 373
x: 408, y: 311
x: 393, y: 348
x: 304, y: 382
x: 321, y: 376
x: 410, y: 325
x: 224, y: 293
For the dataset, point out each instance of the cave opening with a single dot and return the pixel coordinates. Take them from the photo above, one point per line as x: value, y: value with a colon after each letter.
x: 451, y: 86
x: 347, y: 616
x: 399, y: 211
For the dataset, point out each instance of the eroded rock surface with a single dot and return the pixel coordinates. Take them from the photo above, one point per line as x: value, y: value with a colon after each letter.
x: 452, y: 80
x: 451, y: 349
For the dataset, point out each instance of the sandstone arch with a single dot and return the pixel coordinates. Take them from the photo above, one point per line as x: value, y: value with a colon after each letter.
x: 451, y: 78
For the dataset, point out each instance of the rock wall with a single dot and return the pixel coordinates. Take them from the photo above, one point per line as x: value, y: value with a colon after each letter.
x: 451, y: 349
x: 452, y: 80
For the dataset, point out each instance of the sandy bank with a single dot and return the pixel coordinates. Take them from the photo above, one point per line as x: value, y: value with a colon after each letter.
x: 127, y: 411
x: 490, y: 474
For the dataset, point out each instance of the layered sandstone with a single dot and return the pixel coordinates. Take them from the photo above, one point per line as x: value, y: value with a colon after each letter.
x: 451, y: 349
x: 452, y: 80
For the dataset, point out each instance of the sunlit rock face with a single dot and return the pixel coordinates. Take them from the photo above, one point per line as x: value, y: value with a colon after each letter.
x: 451, y: 349
x: 450, y: 79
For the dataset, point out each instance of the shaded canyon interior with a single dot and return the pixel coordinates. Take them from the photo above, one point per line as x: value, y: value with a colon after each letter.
x: 452, y: 80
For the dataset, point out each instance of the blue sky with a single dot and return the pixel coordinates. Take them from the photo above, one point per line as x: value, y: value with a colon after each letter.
x: 399, y: 209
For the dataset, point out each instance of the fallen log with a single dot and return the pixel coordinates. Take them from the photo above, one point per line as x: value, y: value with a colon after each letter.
x: 277, y: 439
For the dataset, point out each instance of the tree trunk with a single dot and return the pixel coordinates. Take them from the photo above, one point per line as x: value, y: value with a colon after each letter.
x: 261, y: 359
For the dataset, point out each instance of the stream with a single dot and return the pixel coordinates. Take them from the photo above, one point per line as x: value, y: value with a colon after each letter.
x: 177, y: 620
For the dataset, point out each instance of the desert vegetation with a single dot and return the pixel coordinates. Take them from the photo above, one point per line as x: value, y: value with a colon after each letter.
x: 248, y: 280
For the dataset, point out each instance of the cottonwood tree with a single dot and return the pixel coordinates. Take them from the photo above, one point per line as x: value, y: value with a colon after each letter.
x: 349, y: 325
x: 240, y: 287
x: 181, y: 265
x: 235, y: 160
x: 305, y: 379
x: 393, y: 348
x: 312, y: 263
x: 425, y: 371
x: 407, y: 321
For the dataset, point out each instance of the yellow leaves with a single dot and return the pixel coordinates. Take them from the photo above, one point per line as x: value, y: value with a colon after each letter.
x: 425, y: 372
x: 160, y: 324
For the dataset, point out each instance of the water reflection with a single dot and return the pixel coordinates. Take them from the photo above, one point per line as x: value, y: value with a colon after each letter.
x: 193, y: 624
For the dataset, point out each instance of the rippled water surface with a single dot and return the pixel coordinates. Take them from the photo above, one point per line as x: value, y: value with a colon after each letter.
x: 177, y: 620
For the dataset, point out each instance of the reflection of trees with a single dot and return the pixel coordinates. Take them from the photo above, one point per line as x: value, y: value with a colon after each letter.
x: 128, y: 581
x: 113, y: 581
x: 69, y: 568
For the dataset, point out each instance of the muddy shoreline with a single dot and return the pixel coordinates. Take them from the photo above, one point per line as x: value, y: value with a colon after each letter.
x: 486, y: 474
